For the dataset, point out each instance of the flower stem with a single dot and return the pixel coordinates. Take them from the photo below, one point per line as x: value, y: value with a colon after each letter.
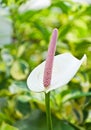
x: 48, y: 111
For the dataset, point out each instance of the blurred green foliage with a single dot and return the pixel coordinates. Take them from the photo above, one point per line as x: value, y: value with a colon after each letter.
x: 21, y: 109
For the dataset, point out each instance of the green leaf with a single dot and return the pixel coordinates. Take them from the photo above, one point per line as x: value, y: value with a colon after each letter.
x: 23, y: 107
x: 19, y: 70
x: 62, y: 5
x: 88, y: 126
x: 75, y: 95
x: 37, y: 121
x: 64, y: 30
x: 20, y: 85
x: 88, y: 10
x: 5, y: 126
x: 3, y: 102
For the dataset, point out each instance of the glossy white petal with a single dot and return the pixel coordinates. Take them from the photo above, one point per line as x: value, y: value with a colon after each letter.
x: 65, y: 67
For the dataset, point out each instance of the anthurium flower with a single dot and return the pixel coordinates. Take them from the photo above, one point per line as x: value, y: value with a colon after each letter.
x: 56, y: 71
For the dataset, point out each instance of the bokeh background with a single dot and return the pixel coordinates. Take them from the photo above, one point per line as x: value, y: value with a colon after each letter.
x: 25, y: 30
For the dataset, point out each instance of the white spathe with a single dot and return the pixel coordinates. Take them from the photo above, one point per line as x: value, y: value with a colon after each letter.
x: 65, y: 67
x: 34, y: 5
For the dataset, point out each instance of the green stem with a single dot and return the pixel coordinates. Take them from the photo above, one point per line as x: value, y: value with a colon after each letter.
x: 48, y: 111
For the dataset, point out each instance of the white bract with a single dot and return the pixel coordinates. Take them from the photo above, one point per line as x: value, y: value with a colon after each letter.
x: 65, y: 67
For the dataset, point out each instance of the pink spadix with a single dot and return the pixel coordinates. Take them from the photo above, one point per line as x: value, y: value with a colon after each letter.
x: 49, y: 60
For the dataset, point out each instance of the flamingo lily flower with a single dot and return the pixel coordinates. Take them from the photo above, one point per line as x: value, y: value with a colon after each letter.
x: 56, y: 71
